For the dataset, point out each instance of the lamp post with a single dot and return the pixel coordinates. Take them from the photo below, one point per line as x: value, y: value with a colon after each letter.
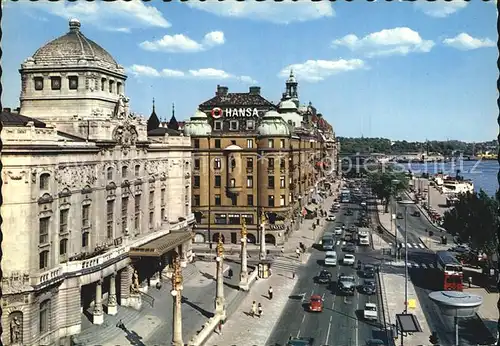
x: 244, y: 268
x: 177, y: 307
x: 394, y: 182
x: 406, y: 203
x: 220, y: 301
x: 262, y: 254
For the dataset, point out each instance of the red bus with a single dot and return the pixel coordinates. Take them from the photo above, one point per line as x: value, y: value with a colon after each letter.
x: 451, y: 270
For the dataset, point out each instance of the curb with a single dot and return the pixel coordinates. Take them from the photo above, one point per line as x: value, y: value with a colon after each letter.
x: 424, y: 213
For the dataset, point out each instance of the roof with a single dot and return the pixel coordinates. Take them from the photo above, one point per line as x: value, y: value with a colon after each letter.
x: 237, y: 99
x: 447, y: 257
x: 162, y: 131
x: 15, y: 119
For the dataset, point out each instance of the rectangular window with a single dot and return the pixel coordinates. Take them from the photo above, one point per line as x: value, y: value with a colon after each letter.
x: 43, y: 229
x: 233, y: 142
x: 124, y: 214
x: 248, y: 218
x: 218, y: 125
x: 44, y: 181
x: 151, y: 199
x: 73, y: 82
x: 137, y: 171
x: 270, y: 143
x: 43, y: 260
x: 282, y: 143
x: 217, y: 163
x: 282, y: 200
x: 38, y: 83
x: 220, y: 219
x: 103, y: 83
x: 282, y: 182
x: 270, y: 181
x: 137, y: 213
x: 85, y: 239
x: 234, y: 219
x: 250, y: 200
x: 44, y: 316
x: 110, y: 218
x: 196, y: 181
x: 217, y: 182
x: 111, y: 86
x: 250, y: 143
x: 233, y: 125
x: 232, y: 183
x: 250, y: 125
x: 249, y: 181
x: 196, y: 200
x: 162, y: 214
x: 196, y: 143
x: 217, y: 143
x: 63, y: 220
x: 250, y: 162
x: 270, y: 200
x: 55, y: 83
x: 290, y: 198
x: 162, y: 196
x: 217, y: 200
x: 270, y: 163
x: 196, y: 164
x: 124, y: 172
x: 63, y: 247
x: 151, y: 219
x: 86, y: 215
x: 282, y: 163
x: 234, y: 200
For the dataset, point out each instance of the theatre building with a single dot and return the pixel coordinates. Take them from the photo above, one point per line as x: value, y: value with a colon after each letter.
x: 89, y: 197
x: 257, y: 161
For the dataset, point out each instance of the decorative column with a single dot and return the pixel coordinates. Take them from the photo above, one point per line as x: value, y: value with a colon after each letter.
x: 177, y: 303
x: 112, y: 304
x: 220, y: 301
x: 262, y: 254
x: 98, y: 314
x: 244, y: 268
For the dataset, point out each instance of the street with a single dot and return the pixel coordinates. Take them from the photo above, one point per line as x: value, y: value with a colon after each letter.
x: 341, y: 321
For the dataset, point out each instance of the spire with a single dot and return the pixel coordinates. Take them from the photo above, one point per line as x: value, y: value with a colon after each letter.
x: 153, y: 121
x: 173, y: 124
x: 291, y: 73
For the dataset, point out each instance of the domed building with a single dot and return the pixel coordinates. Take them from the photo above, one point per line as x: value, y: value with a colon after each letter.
x: 90, y: 197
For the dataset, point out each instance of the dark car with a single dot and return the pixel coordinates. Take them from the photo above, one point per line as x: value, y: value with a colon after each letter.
x: 349, y: 212
x: 347, y: 284
x: 302, y: 341
x: 375, y: 342
x: 349, y: 247
x: 369, y: 286
x: 369, y: 271
x: 324, y: 277
x: 416, y: 213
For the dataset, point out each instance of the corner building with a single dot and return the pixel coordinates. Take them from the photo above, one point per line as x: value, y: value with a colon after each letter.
x: 257, y: 161
x: 89, y: 196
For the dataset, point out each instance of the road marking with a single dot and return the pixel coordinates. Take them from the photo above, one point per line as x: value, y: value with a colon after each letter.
x: 338, y: 242
x: 328, y: 331
x: 421, y: 246
x: 312, y: 292
x: 323, y: 296
x: 356, y: 326
x: 301, y: 323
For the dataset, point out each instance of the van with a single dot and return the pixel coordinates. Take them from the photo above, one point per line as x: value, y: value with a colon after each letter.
x: 327, y: 242
x: 330, y: 258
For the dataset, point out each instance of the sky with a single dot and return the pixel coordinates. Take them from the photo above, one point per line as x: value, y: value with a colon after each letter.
x: 401, y: 70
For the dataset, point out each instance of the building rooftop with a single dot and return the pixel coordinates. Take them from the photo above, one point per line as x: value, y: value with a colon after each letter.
x: 224, y: 98
x: 9, y: 118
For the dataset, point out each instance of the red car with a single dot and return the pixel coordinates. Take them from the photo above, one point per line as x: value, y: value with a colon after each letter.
x: 316, y: 303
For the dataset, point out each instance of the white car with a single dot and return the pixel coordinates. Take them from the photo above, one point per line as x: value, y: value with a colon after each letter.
x: 363, y: 204
x: 370, y: 312
x: 338, y: 231
x: 349, y: 259
x: 331, y: 218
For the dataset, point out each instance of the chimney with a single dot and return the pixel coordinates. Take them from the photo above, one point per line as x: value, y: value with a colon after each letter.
x: 221, y: 90
x: 7, y: 110
x: 17, y: 110
x: 254, y: 90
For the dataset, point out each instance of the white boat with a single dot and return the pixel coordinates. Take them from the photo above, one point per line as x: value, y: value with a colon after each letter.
x: 455, y: 187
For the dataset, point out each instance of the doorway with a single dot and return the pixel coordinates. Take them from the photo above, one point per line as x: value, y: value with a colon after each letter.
x: 233, y: 237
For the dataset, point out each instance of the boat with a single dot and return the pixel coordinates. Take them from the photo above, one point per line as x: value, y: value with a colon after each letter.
x: 452, y: 186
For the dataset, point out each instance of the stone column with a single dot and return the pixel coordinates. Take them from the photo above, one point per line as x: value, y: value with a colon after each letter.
x: 244, y: 267
x: 183, y: 255
x: 177, y: 304
x: 220, y: 301
x: 112, y: 304
x: 98, y: 314
x: 262, y: 254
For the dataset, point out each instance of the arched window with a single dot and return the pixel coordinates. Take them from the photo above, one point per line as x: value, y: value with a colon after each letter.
x: 124, y: 172
x: 103, y: 83
x: 44, y: 316
x: 137, y: 170
x: 44, y: 260
x: 44, y: 181
x: 63, y: 247
x: 109, y: 173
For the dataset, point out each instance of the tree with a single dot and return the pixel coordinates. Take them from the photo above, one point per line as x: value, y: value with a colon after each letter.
x: 475, y: 219
x: 381, y: 183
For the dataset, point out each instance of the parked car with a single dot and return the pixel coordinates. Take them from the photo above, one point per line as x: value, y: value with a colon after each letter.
x: 331, y: 217
x: 370, y: 312
x: 316, y: 303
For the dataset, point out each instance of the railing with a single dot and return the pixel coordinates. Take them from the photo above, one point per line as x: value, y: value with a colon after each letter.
x: 152, y: 300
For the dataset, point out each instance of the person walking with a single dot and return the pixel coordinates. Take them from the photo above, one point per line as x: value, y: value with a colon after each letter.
x: 230, y: 273
x: 220, y: 327
x: 253, y: 311
x: 297, y: 251
x: 260, y: 310
x: 270, y: 292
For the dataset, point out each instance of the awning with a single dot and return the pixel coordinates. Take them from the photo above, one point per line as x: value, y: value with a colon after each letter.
x: 160, y: 246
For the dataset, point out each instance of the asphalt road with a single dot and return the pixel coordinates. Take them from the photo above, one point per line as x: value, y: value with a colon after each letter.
x: 341, y: 322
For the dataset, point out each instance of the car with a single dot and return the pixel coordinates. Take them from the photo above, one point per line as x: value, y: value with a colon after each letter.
x: 300, y: 341
x: 369, y: 271
x: 375, y: 342
x: 316, y: 303
x: 416, y: 213
x: 346, y: 284
x: 349, y: 247
x: 331, y: 217
x: 370, y: 312
x: 324, y: 277
x: 348, y: 259
x: 331, y: 258
x: 349, y: 212
x: 369, y: 286
x: 338, y: 231
x: 363, y: 204
x: 399, y: 216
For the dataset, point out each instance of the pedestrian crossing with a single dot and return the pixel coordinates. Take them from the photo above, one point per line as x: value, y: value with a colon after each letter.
x: 288, y: 264
x: 413, y: 264
x: 340, y: 243
x: 409, y: 245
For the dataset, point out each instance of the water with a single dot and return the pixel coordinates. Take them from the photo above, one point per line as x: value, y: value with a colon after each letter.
x: 482, y: 173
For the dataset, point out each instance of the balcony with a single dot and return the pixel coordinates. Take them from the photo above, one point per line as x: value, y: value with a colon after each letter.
x: 234, y: 190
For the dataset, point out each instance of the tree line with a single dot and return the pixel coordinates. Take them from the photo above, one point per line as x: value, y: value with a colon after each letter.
x: 386, y: 184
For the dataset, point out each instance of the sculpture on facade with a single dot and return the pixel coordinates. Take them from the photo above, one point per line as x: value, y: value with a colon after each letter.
x: 16, y: 330
x: 122, y: 110
x: 135, y: 282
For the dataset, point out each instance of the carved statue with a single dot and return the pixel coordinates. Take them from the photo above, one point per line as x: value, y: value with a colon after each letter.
x: 15, y: 330
x: 122, y: 107
x: 135, y: 282
x: 243, y: 229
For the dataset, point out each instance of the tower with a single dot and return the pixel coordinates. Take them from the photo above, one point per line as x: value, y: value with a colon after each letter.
x: 291, y: 92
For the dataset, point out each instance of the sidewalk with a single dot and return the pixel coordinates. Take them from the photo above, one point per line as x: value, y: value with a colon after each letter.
x: 488, y: 311
x: 242, y: 329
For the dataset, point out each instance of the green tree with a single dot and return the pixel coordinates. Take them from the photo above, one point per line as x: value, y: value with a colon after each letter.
x: 382, y: 185
x: 475, y: 219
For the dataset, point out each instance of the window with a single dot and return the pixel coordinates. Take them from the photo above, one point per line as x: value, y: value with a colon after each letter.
x: 233, y: 125
x: 270, y: 201
x: 55, y: 83
x: 249, y: 143
x: 250, y: 162
x: 162, y: 196
x: 196, y: 181
x: 270, y: 143
x: 217, y: 143
x: 151, y: 219
x: 282, y: 163
x: 151, y: 199
x: 249, y: 181
x: 270, y: 163
x: 85, y: 239
x: 250, y: 125
x: 85, y: 215
x: 217, y: 163
x: 43, y: 229
x: 63, y: 247
x: 290, y: 198
x: 43, y: 260
x: 232, y: 182
x: 217, y: 181
x: 118, y: 88
x: 234, y: 200
x: 248, y: 218
x: 73, y: 82
x: 218, y: 125
x: 220, y: 219
x: 233, y: 142
x: 124, y: 172
x: 234, y: 219
x: 137, y: 212
x: 110, y: 218
x: 44, y: 317
x: 103, y: 83
x: 282, y: 200
x: 111, y: 86
x: 282, y: 182
x: 196, y: 200
x: 109, y: 173
x: 196, y: 143
x: 270, y: 182
x: 63, y: 220
x: 217, y: 200
x: 250, y: 200
x: 124, y: 214
x: 163, y: 214
x: 196, y: 164
x: 44, y: 181
x: 137, y: 171
x: 38, y: 83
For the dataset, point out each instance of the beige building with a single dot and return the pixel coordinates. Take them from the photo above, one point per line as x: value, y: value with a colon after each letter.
x: 88, y: 195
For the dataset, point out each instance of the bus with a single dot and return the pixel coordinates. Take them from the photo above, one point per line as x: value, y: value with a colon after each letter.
x: 451, y: 278
x: 345, y: 196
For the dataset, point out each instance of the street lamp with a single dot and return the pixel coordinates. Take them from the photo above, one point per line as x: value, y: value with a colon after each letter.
x: 393, y: 183
x: 406, y: 203
x: 262, y: 254
x: 177, y: 301
x: 219, y: 294
x: 244, y: 268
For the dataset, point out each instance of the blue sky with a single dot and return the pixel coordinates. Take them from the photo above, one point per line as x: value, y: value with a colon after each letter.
x: 384, y: 69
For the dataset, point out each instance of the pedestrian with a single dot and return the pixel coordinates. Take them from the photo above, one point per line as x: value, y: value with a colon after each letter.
x: 270, y: 292
x: 220, y: 327
x: 230, y: 273
x: 470, y: 281
x: 253, y: 311
x: 260, y: 310
x: 293, y: 275
x: 297, y: 251
x: 282, y: 250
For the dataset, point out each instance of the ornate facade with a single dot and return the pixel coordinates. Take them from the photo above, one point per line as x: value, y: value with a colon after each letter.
x: 89, y: 197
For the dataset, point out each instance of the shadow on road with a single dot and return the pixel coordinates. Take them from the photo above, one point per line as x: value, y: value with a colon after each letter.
x: 132, y: 337
x: 475, y: 332
x: 202, y: 311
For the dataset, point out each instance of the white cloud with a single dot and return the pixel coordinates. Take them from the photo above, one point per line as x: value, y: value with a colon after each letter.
x: 464, y: 41
x: 283, y: 12
x: 124, y: 15
x: 183, y: 44
x: 397, y: 41
x: 318, y: 70
x: 440, y: 8
x: 203, y: 73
